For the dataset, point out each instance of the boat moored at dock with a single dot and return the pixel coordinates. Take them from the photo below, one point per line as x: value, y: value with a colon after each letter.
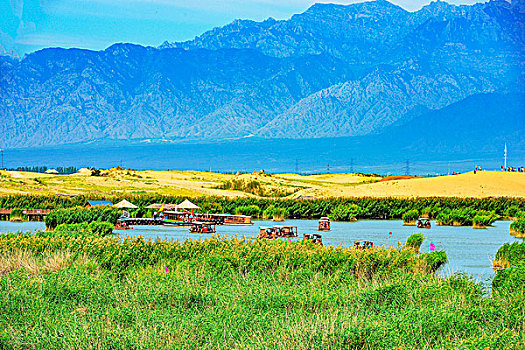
x: 226, y: 219
x: 177, y: 218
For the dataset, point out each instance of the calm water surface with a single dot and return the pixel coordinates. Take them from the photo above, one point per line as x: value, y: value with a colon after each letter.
x: 468, y: 250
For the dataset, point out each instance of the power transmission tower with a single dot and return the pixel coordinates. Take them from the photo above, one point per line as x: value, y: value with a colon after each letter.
x: 2, y: 151
x: 407, y: 168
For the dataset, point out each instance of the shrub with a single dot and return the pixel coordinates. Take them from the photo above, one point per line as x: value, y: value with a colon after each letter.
x: 510, y: 280
x: 250, y: 210
x: 465, y: 216
x: 79, y: 215
x: 95, y: 228
x: 512, y: 211
x: 414, y: 241
x: 346, y: 212
x: 274, y: 213
x: 431, y: 262
x: 513, y: 253
x: 410, y: 216
x: 17, y: 213
x: 518, y: 226
x: 484, y: 220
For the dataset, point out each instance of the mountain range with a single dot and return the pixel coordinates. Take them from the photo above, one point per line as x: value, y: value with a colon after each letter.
x: 370, y: 68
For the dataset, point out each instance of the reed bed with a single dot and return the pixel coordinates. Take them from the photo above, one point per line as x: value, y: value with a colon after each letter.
x: 220, y: 254
x: 345, y: 209
x: 65, y: 291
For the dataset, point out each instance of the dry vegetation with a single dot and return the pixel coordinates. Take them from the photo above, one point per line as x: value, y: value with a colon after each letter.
x: 193, y: 183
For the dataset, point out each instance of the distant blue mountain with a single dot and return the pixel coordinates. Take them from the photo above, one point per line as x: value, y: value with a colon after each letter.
x: 332, y: 71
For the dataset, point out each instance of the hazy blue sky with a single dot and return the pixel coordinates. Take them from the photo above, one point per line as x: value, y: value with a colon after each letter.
x: 28, y: 25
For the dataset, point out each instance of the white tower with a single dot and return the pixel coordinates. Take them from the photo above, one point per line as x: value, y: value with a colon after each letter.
x: 505, y: 167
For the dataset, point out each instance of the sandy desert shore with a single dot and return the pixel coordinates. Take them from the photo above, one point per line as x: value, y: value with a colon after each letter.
x: 192, y: 183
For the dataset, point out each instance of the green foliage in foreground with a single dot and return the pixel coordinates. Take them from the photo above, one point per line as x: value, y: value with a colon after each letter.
x: 511, y: 280
x: 82, y: 215
x: 121, y: 256
x: 414, y: 241
x: 513, y: 253
x: 82, y: 306
x: 80, y: 291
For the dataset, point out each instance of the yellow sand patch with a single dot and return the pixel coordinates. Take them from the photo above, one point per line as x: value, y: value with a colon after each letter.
x: 195, y: 183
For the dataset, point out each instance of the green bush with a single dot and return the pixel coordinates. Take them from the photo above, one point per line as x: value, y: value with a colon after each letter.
x: 465, y: 216
x: 347, y: 212
x: 411, y: 216
x: 514, y: 253
x: 119, y: 255
x: 95, y: 228
x: 273, y: 212
x: 250, y: 210
x: 518, y: 226
x: 512, y: 211
x: 484, y: 220
x: 433, y: 260
x: 510, y: 280
x: 414, y: 241
x: 17, y: 213
x: 80, y: 215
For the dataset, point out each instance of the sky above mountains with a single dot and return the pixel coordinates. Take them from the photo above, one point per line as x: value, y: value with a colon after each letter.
x: 29, y: 25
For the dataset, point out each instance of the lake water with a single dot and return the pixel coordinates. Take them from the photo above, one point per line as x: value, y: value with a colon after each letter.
x: 469, y: 250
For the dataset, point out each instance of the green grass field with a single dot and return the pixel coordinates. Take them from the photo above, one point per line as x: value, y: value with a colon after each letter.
x: 63, y: 292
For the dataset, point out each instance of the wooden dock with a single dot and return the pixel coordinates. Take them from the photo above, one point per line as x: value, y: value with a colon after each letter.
x: 31, y: 214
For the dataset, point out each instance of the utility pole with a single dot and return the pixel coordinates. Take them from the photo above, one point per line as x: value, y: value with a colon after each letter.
x: 2, y: 152
x: 328, y: 168
x: 352, y: 165
x: 296, y: 166
x: 407, y: 168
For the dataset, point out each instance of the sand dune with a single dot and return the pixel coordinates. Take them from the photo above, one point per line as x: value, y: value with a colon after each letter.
x: 193, y: 183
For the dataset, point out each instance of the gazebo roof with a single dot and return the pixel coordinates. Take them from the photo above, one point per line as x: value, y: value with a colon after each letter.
x: 188, y: 205
x: 124, y: 204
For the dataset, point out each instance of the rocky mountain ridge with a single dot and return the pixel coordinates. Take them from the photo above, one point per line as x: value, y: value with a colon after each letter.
x: 334, y: 70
